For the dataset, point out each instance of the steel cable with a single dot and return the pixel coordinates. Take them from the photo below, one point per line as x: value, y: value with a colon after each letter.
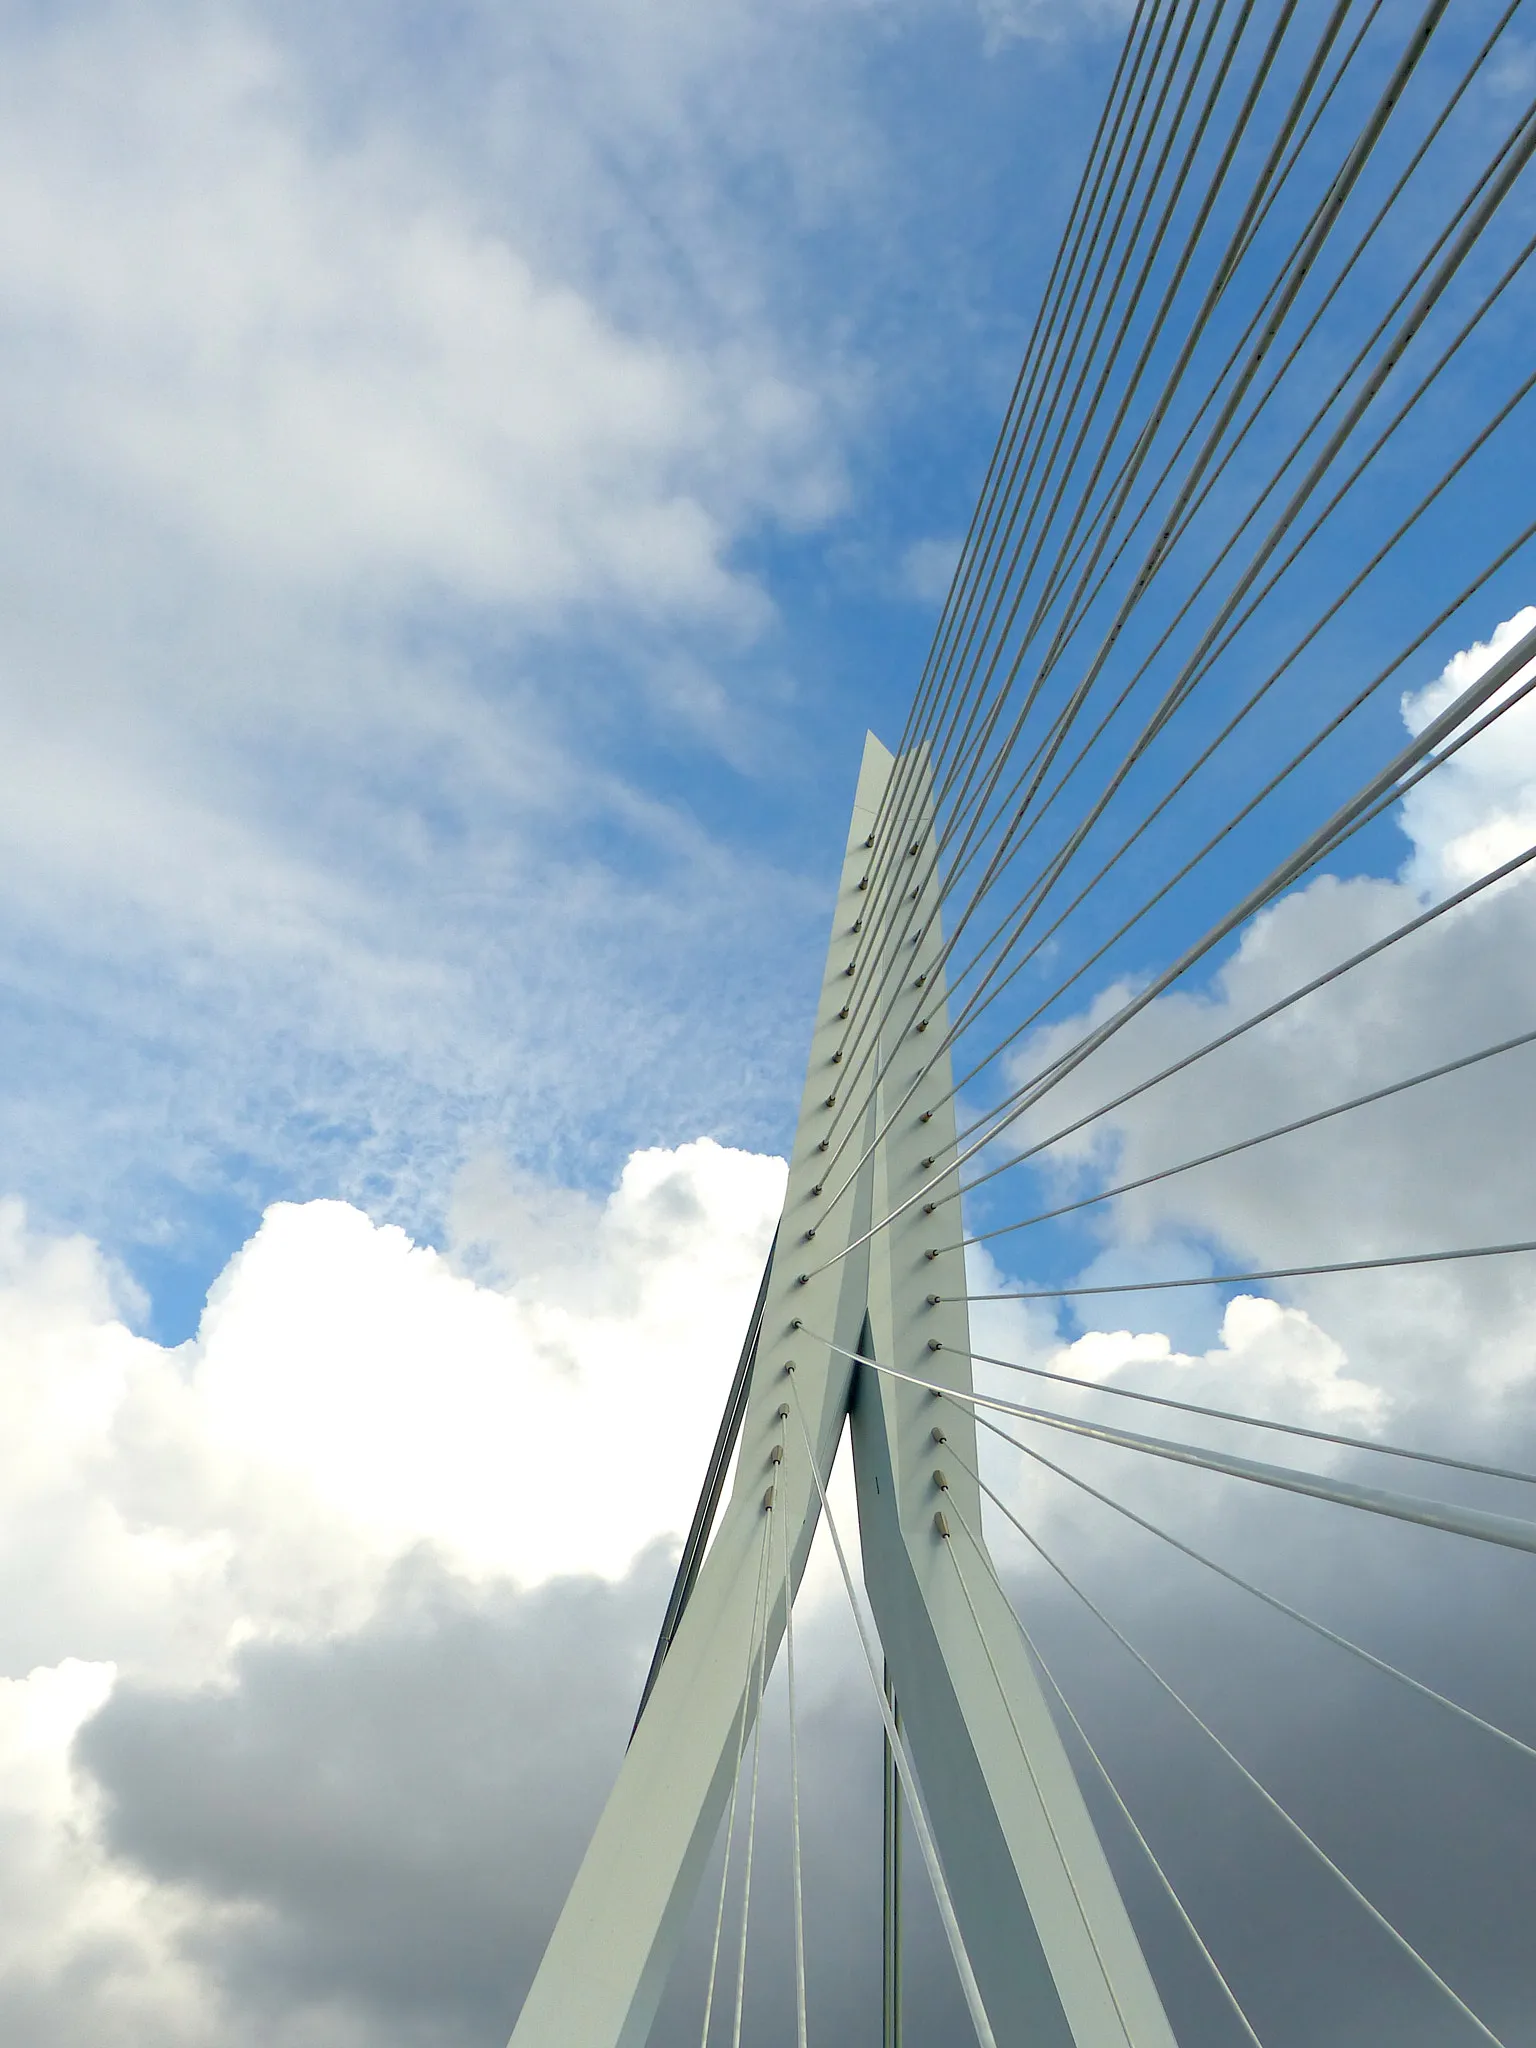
x: 1280, y: 1606
x: 970, y: 1990
x: 1081, y: 832
x: 1028, y: 1095
x: 1300, y: 1123
x: 1400, y: 1939
x: 1098, y: 1763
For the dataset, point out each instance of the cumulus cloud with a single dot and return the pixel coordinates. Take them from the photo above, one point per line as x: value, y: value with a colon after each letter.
x: 1480, y: 809
x: 365, y: 1448
x: 349, y: 1396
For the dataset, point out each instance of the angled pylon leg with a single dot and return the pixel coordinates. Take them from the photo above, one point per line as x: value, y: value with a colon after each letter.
x: 602, y: 1975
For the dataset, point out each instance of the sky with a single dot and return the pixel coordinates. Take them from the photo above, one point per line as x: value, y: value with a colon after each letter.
x: 472, y: 477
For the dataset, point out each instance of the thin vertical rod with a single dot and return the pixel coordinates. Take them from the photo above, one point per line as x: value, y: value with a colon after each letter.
x: 890, y: 1956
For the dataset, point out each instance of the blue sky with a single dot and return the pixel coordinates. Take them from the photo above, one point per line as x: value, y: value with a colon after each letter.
x: 572, y: 798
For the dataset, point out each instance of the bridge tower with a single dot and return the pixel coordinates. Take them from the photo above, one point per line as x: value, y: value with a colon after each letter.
x: 1046, y: 1951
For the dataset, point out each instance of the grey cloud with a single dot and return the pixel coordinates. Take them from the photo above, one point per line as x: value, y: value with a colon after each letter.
x: 394, y: 1814
x: 385, y: 1823
x: 1431, y: 1819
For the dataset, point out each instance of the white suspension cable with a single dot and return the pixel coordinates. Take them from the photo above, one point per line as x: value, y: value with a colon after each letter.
x: 1476, y: 1251
x: 1114, y: 1792
x: 794, y: 1768
x: 757, y: 1754
x: 970, y: 1989
x: 1326, y: 1436
x: 1506, y: 1530
x: 1028, y: 1762
x: 1236, y: 1579
x: 1285, y: 1130
x: 758, y: 1610
x: 1400, y: 1939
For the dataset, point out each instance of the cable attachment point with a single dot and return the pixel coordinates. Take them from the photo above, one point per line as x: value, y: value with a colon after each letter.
x: 837, y: 1057
x: 822, y: 1144
x: 929, y: 1207
x: 776, y: 1455
x: 811, y: 1232
x: 913, y: 848
x: 783, y: 1414
x: 931, y: 1253
x: 928, y: 1162
x: 850, y: 969
x: 933, y: 1300
x: 938, y: 1435
x: 941, y: 1524
x: 920, y: 981
x: 832, y: 1100
x: 926, y: 1117
x: 768, y: 1500
x: 789, y: 1366
x: 843, y: 1012
x: 869, y: 841
x: 801, y: 1279
x: 941, y: 1478
x: 817, y: 1189
x: 934, y: 1344
x: 922, y: 1024
x: 858, y: 924
x: 864, y: 881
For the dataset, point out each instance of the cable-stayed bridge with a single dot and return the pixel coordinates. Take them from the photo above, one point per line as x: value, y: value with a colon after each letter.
x: 1267, y: 464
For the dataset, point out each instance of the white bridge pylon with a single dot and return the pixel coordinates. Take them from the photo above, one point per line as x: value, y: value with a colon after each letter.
x: 1054, y: 1956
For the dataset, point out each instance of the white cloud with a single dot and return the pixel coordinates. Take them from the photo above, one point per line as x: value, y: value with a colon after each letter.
x: 927, y: 568
x: 1047, y: 21
x: 351, y: 1395
x: 71, y: 1914
x: 308, y: 356
x: 1479, y: 810
x: 350, y: 1398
